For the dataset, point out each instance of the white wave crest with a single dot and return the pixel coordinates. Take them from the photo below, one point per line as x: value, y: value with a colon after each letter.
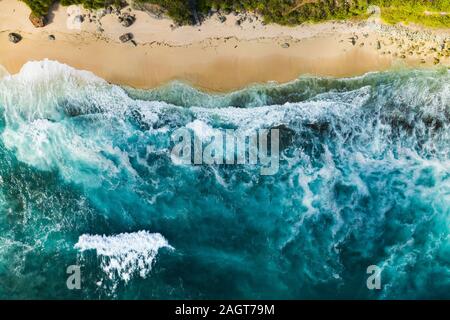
x: 201, y: 129
x: 47, y: 70
x: 126, y: 254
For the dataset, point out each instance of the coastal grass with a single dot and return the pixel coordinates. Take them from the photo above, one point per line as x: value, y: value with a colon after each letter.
x: 432, y: 13
x: 39, y: 7
x: 406, y: 15
x: 284, y: 12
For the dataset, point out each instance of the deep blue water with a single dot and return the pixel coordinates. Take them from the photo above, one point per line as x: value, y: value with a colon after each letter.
x: 86, y: 179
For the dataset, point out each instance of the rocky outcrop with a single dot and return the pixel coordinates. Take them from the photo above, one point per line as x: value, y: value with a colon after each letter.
x: 222, y: 19
x: 14, y: 37
x: 38, y: 21
x: 152, y: 10
x: 127, y: 19
x: 126, y: 37
x: 79, y: 19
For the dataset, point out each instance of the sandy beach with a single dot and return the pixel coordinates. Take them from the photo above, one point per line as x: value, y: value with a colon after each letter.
x: 215, y: 56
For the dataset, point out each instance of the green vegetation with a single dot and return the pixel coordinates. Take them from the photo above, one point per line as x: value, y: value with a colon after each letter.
x: 178, y: 10
x: 39, y: 7
x: 292, y: 12
x: 42, y: 7
x: 286, y: 12
x: 425, y: 12
x: 91, y: 4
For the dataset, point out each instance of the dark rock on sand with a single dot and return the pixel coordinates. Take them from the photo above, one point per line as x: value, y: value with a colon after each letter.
x: 78, y: 19
x: 14, y: 37
x: 127, y: 20
x: 38, y: 21
x: 285, y: 45
x: 51, y: 37
x: 126, y: 37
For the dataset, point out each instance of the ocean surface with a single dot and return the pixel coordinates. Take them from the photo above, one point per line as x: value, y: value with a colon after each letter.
x: 87, y: 183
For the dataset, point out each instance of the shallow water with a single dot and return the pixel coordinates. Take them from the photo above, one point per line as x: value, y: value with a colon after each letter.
x: 86, y: 179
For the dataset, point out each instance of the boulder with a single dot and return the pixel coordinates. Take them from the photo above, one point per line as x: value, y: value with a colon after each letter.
x: 14, y: 37
x: 126, y: 37
x: 127, y: 20
x: 38, y: 21
x: 78, y: 19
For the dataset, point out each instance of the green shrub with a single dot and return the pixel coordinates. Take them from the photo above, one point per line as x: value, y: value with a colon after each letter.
x: 286, y: 12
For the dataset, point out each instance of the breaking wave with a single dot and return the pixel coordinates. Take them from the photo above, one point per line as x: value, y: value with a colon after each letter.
x: 125, y: 254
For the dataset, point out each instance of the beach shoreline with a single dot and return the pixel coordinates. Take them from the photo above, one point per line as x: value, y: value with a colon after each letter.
x: 215, y: 56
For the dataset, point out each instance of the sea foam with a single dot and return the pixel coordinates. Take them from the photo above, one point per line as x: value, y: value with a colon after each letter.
x: 126, y: 254
x: 47, y: 70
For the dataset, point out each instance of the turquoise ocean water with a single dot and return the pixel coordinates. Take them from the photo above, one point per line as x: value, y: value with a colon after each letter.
x: 86, y: 179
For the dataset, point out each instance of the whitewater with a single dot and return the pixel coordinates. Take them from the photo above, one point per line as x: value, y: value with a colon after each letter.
x: 86, y: 179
